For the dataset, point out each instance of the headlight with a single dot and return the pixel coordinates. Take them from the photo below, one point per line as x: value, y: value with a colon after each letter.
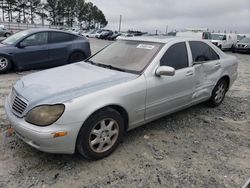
x: 45, y: 115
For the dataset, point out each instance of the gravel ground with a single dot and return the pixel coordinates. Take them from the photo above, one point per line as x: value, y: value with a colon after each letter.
x: 197, y: 147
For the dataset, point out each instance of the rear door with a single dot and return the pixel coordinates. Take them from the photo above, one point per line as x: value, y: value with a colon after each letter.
x: 168, y: 93
x: 207, y: 68
x: 33, y: 51
x: 59, y: 47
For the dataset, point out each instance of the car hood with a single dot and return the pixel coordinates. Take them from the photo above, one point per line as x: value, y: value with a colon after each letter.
x: 68, y: 82
x: 241, y: 43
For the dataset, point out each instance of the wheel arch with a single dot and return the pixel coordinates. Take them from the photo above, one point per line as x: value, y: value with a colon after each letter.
x: 121, y: 110
x: 227, y: 78
x: 116, y: 107
x: 75, y: 51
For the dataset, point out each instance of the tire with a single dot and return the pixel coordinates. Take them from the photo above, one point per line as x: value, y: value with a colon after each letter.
x: 5, y: 65
x: 7, y: 34
x: 76, y: 57
x: 101, y: 134
x: 218, y: 93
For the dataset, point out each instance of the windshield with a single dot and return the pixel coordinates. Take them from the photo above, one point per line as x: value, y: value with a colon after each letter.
x: 245, y: 40
x: 217, y: 36
x: 14, y: 38
x: 130, y: 56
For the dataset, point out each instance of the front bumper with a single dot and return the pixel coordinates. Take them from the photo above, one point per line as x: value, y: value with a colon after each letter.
x: 42, y: 138
x: 243, y: 50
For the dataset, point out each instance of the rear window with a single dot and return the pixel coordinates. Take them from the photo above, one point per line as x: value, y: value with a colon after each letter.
x: 56, y: 37
x: 202, y: 52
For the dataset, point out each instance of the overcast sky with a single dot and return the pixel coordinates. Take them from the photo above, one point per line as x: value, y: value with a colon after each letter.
x: 150, y: 15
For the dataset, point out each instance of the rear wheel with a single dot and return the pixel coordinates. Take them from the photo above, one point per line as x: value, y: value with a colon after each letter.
x: 7, y: 34
x: 5, y: 65
x: 76, y: 57
x: 218, y: 93
x: 101, y: 134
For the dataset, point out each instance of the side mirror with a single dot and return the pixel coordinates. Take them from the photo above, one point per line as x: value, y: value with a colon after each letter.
x: 165, y: 71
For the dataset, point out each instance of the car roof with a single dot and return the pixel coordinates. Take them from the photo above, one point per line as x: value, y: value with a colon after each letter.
x: 158, y: 39
x: 34, y: 30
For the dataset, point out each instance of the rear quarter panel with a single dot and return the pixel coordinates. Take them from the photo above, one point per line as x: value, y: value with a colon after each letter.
x: 229, y: 65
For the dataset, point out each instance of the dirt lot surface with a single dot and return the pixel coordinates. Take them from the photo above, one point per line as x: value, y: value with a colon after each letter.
x: 197, y: 147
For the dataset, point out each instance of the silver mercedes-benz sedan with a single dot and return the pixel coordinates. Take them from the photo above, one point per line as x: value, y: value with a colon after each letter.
x: 87, y: 106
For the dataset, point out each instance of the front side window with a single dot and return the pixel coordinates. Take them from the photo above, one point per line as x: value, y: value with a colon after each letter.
x: 36, y: 39
x: 176, y: 56
x: 202, y: 52
x: 131, y: 56
x: 57, y: 37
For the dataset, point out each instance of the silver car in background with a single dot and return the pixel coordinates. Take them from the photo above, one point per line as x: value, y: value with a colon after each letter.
x: 87, y: 106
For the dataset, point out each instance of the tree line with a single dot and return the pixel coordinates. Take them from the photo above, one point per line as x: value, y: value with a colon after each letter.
x: 57, y: 12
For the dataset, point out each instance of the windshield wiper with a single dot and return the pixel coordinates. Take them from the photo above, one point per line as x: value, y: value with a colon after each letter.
x: 114, y: 68
x: 106, y: 66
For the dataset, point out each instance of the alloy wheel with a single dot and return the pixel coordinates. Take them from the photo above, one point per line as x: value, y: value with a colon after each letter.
x: 103, y: 135
x: 219, y: 94
x: 3, y: 63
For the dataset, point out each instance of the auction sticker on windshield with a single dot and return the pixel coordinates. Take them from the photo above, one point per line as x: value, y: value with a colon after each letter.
x: 146, y: 46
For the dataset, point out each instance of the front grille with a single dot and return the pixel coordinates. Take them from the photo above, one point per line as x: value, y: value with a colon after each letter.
x: 241, y: 45
x: 18, y: 104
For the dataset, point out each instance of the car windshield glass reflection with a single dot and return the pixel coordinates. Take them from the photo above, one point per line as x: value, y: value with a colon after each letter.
x: 130, y: 56
x: 245, y: 40
x: 14, y: 38
x: 217, y: 37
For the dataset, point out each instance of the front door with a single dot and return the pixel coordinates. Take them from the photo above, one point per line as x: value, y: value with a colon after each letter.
x: 166, y: 94
x: 32, y: 52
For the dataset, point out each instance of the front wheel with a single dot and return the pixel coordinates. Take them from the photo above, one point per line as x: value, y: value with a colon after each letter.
x: 218, y: 93
x: 100, y: 134
x: 5, y: 65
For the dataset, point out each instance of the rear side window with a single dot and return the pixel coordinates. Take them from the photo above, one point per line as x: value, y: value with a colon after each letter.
x: 56, y: 37
x: 176, y: 56
x: 202, y: 52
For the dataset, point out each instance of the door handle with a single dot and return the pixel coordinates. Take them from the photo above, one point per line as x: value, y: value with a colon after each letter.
x: 189, y: 73
x: 217, y: 64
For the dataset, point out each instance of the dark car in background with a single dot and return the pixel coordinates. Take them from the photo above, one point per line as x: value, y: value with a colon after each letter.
x: 105, y: 34
x: 5, y: 32
x: 42, y: 48
x: 242, y: 46
x: 114, y: 36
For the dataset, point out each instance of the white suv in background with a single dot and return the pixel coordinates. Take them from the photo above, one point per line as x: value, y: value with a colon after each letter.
x: 223, y: 40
